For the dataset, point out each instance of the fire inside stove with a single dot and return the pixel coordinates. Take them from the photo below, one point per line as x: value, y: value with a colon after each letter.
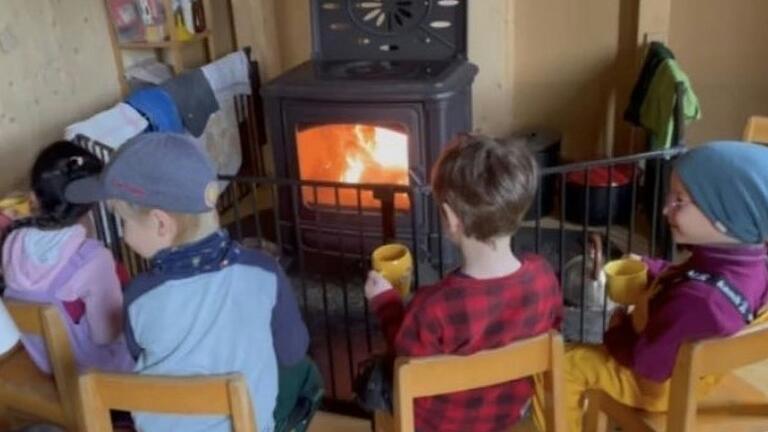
x: 353, y: 154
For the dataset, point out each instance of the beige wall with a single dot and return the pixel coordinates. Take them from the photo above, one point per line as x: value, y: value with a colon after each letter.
x: 564, y: 69
x: 56, y: 66
x: 293, y: 31
x: 722, y: 46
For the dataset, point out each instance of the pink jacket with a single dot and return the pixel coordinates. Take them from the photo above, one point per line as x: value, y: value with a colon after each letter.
x: 59, y: 266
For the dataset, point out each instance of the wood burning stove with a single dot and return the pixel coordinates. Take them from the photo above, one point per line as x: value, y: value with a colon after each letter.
x: 387, y: 88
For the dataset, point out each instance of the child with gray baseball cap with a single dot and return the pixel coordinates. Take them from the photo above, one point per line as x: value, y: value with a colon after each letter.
x: 207, y: 305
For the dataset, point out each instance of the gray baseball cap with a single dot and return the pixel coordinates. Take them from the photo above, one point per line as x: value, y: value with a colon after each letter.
x: 154, y: 170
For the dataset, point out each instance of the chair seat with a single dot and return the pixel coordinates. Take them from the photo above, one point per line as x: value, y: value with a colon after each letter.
x: 734, y: 405
x: 24, y: 388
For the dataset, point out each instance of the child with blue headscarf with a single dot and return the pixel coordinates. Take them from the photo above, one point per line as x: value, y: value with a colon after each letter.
x: 717, y: 206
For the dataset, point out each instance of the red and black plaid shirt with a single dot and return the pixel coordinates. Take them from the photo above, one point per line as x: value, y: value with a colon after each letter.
x: 462, y: 315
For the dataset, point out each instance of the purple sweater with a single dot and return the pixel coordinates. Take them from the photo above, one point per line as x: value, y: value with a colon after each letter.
x: 56, y: 266
x: 690, y: 310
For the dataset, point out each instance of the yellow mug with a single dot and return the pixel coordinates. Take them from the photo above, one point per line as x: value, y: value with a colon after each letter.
x: 626, y: 279
x: 17, y: 205
x: 394, y: 262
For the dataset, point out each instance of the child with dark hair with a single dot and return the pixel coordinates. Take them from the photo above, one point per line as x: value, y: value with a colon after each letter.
x: 48, y: 259
x: 483, y: 188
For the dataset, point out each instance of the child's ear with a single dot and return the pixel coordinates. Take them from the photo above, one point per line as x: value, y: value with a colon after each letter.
x: 452, y: 221
x: 34, y: 204
x: 165, y: 225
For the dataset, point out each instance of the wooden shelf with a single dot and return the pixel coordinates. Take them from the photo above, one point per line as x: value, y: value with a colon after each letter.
x: 164, y: 44
x: 173, y: 56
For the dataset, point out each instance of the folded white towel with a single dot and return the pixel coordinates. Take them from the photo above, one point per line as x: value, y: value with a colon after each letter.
x: 228, y: 76
x: 112, y: 127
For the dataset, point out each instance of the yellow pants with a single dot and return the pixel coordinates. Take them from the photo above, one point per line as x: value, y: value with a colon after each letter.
x: 591, y: 367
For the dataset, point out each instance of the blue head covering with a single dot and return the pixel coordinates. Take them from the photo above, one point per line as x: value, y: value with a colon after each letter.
x: 728, y: 181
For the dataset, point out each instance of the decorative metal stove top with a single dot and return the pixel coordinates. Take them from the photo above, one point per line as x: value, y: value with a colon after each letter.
x: 389, y: 29
x: 388, y: 17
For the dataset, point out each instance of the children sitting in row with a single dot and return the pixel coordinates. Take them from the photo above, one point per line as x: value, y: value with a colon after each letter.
x: 209, y: 306
x: 483, y: 188
x: 206, y: 305
x: 48, y: 259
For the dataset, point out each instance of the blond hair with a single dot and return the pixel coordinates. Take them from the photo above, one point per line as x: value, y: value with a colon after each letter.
x: 190, y: 226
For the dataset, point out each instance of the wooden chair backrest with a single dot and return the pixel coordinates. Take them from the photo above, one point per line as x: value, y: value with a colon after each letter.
x: 436, y: 375
x: 225, y: 395
x: 710, y: 357
x: 45, y: 321
x: 694, y: 360
x: 756, y: 130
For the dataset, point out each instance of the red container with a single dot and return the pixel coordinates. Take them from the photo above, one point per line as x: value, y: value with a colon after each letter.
x: 603, y: 185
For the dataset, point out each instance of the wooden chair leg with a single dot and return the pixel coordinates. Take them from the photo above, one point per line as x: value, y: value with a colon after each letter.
x: 595, y: 420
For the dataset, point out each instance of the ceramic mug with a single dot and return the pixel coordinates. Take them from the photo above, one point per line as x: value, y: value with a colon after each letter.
x: 394, y: 262
x: 626, y: 279
x: 16, y: 205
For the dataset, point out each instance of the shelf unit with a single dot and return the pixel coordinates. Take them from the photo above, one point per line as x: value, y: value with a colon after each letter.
x: 172, y: 45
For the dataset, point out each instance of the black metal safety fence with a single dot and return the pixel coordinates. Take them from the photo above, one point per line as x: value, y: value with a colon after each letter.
x: 324, y: 232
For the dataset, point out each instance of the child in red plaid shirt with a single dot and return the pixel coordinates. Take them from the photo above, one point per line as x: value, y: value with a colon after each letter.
x: 483, y: 188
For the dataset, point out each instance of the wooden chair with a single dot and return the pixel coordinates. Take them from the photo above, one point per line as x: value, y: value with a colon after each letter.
x: 25, y: 391
x: 220, y: 395
x: 734, y: 405
x: 756, y: 130
x: 442, y: 374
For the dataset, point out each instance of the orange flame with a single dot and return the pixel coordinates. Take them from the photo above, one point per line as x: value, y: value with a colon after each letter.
x: 352, y: 153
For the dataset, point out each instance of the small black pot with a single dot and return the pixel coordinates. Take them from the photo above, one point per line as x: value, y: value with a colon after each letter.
x: 618, y: 193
